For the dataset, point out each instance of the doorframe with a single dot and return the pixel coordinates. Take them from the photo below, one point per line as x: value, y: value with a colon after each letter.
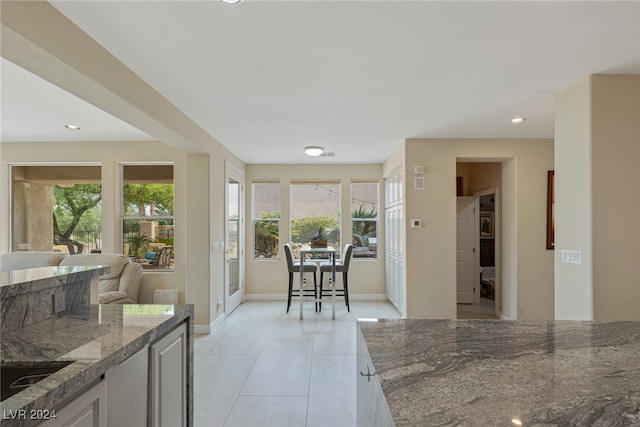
x: 497, y: 231
x: 233, y: 172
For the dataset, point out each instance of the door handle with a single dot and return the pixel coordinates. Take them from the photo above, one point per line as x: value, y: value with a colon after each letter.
x: 369, y: 374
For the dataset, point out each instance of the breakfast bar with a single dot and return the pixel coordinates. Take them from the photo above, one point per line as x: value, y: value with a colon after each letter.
x: 78, y: 359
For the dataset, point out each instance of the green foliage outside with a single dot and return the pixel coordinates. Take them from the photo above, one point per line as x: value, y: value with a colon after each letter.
x: 266, y: 235
x: 78, y: 208
x: 148, y: 199
x: 303, y: 228
x: 138, y: 244
x: 72, y: 203
x: 364, y: 228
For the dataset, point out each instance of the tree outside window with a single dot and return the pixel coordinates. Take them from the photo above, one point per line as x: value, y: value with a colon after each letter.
x: 56, y: 208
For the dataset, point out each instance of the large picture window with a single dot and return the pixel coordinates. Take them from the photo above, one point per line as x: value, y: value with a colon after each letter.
x: 56, y: 208
x: 364, y: 218
x: 147, y: 213
x: 266, y: 219
x: 315, y: 213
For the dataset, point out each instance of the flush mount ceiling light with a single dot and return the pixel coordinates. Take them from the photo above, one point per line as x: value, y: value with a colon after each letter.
x: 231, y: 1
x: 72, y: 127
x: 313, y: 151
x: 517, y: 120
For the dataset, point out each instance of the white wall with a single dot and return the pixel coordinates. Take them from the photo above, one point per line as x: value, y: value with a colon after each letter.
x: 573, y: 201
x: 598, y: 198
x: 527, y: 265
x: 267, y: 278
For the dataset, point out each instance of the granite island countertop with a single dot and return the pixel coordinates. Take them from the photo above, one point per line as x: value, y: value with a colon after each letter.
x: 93, y: 341
x: 499, y: 373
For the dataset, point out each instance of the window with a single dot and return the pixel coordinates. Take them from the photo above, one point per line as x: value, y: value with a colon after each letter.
x: 56, y: 208
x: 315, y: 211
x: 364, y: 219
x: 266, y: 219
x: 147, y: 215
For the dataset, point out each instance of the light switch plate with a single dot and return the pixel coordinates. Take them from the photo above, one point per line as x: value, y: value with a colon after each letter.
x: 571, y: 257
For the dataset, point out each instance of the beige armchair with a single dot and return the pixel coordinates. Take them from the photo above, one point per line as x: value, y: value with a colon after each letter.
x: 121, y: 285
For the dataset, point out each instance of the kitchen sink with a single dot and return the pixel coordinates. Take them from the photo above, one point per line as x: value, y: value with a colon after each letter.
x: 17, y: 377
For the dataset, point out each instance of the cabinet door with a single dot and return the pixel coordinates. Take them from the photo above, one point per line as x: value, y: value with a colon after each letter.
x: 168, y: 381
x: 371, y: 407
x: 88, y: 410
x: 127, y: 391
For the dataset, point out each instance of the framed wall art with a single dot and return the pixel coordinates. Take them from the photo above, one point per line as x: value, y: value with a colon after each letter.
x: 550, y: 209
x: 486, y: 225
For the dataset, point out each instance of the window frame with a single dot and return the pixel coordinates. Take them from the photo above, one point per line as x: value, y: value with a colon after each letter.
x: 255, y: 218
x: 340, y: 208
x: 10, y: 169
x: 124, y: 217
x: 376, y: 219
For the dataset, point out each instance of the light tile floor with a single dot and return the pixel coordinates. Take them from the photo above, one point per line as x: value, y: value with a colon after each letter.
x: 266, y: 367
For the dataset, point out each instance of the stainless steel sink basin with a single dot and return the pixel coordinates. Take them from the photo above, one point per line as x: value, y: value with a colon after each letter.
x: 17, y: 377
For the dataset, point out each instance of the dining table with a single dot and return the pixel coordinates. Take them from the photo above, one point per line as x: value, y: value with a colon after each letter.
x: 317, y: 255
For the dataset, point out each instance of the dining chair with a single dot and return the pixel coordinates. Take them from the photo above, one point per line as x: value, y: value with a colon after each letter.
x: 294, y: 267
x: 341, y: 267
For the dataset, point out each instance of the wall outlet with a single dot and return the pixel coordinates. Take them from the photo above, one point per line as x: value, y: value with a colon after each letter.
x: 415, y: 223
x: 571, y: 257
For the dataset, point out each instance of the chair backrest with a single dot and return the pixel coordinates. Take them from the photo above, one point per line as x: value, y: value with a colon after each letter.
x: 347, y: 254
x: 163, y: 257
x: 289, y: 256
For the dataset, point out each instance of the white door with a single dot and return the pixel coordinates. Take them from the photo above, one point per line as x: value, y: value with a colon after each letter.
x: 467, y: 272
x: 234, y: 238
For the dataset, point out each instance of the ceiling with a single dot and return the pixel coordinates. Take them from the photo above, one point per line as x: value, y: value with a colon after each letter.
x: 266, y: 78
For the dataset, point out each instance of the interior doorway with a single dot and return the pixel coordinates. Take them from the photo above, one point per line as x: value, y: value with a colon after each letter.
x: 482, y: 182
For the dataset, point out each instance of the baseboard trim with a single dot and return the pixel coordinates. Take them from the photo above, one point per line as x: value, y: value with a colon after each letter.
x: 206, y: 329
x: 503, y: 317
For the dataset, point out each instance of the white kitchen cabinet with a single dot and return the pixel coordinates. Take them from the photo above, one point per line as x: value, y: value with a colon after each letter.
x: 88, y: 410
x: 127, y: 391
x: 371, y: 405
x: 168, y: 380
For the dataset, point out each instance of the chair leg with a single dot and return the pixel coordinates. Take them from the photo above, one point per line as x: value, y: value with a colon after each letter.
x: 346, y: 290
x: 315, y: 289
x: 290, y: 291
x: 321, y: 286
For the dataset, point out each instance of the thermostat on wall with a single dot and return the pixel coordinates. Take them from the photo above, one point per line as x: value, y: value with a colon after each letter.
x: 416, y: 223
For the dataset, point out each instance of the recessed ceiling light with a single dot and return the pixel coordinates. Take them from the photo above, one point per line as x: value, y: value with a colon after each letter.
x: 72, y: 127
x: 517, y: 120
x: 313, y: 151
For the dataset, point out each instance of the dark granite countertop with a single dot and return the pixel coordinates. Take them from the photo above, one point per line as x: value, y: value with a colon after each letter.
x: 15, y: 282
x: 501, y: 373
x: 94, y: 341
